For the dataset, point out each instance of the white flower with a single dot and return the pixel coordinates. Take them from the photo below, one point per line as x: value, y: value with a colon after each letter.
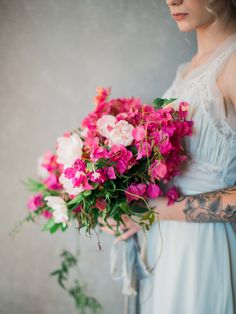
x: 59, y: 207
x: 105, y: 124
x: 121, y: 134
x: 68, y: 185
x: 69, y: 149
x: 42, y: 171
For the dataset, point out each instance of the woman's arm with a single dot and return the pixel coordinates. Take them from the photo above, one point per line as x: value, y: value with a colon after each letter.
x: 214, y: 206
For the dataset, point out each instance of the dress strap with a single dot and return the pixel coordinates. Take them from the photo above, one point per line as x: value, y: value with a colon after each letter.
x: 221, y: 59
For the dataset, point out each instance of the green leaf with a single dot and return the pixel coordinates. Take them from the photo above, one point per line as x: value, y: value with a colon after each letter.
x: 87, y: 193
x: 161, y: 102
x: 55, y: 228
x: 49, y: 224
x: 75, y: 200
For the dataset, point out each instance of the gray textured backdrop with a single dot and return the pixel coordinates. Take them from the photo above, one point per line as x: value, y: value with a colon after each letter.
x: 53, y: 55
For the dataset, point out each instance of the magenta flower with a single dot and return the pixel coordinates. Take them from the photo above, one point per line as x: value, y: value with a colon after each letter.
x: 97, y: 176
x: 172, y: 195
x: 153, y: 190
x: 98, y: 152
x: 35, y: 202
x: 157, y: 170
x: 47, y: 214
x: 79, y: 165
x: 70, y: 172
x: 134, y: 191
x: 110, y: 172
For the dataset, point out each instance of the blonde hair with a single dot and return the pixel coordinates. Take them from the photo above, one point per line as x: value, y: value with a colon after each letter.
x: 228, y: 15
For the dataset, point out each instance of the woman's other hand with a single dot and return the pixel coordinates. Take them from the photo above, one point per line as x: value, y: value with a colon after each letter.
x: 130, y: 228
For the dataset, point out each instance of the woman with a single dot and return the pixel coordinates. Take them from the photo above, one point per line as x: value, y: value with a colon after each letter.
x: 196, y: 273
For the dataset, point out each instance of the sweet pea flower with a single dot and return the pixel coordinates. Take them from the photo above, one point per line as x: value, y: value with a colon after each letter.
x: 138, y: 133
x: 121, y: 134
x: 157, y: 170
x: 35, y: 202
x: 110, y: 172
x: 69, y: 149
x: 69, y: 186
x: 59, y: 207
x: 153, y: 190
x: 105, y: 124
x: 52, y: 182
x: 134, y: 191
x: 97, y: 176
x: 172, y: 195
x: 98, y: 152
x: 47, y: 214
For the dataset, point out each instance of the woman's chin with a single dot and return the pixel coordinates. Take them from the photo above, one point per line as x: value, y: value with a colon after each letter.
x: 185, y: 28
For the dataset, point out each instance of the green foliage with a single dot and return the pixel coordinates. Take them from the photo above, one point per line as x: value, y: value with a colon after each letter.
x: 83, y: 302
x: 161, y: 102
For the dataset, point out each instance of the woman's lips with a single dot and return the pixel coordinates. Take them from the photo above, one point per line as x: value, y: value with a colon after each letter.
x: 179, y: 16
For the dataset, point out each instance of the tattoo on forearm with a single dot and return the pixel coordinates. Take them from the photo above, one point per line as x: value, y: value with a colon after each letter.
x: 208, y: 207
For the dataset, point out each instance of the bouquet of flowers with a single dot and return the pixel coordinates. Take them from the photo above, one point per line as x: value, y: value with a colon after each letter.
x: 124, y: 151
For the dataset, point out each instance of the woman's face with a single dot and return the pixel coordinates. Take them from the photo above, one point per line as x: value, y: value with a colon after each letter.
x: 196, y: 14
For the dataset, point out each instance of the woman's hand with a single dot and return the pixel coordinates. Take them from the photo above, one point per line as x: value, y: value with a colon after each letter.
x: 128, y: 230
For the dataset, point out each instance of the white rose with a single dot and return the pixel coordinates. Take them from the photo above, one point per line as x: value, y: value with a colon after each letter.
x: 105, y: 124
x: 68, y: 185
x: 121, y: 134
x: 59, y: 207
x: 69, y: 149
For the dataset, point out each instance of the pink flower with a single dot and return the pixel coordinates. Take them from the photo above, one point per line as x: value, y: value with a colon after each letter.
x: 134, y: 191
x: 103, y: 94
x: 52, y: 182
x: 157, y: 170
x: 121, y: 134
x: 183, y: 109
x: 97, y: 176
x: 153, y: 190
x: 70, y: 172
x: 110, y: 172
x: 172, y: 195
x: 79, y: 165
x: 98, y: 152
x: 35, y: 202
x: 138, y: 133
x: 47, y: 214
x: 81, y: 181
x: 144, y: 150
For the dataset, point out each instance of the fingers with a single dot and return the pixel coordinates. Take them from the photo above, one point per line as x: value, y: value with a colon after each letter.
x: 108, y: 230
x: 127, y: 234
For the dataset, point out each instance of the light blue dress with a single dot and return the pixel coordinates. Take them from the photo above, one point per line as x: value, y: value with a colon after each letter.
x: 196, y: 273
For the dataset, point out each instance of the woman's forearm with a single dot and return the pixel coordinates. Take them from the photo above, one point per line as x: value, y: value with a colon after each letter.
x: 214, y: 206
